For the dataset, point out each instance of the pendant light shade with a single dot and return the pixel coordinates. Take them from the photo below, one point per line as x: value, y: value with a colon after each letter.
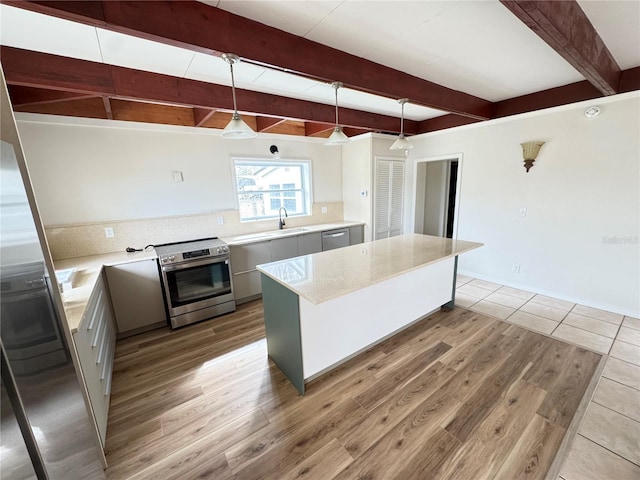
x: 237, y: 128
x: 401, y: 143
x: 337, y: 137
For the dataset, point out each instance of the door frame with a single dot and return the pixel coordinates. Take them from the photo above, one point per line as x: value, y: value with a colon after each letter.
x: 456, y: 211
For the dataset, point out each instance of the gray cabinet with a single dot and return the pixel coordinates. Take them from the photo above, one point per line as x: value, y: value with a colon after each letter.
x: 356, y: 234
x: 282, y: 248
x: 244, y: 258
x: 245, y: 277
x: 137, y: 297
x: 309, y: 243
x: 95, y: 342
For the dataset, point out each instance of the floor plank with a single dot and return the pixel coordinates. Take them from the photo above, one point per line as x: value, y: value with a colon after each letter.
x: 455, y: 395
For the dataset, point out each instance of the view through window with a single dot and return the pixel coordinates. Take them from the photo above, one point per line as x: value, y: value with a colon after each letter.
x: 264, y: 186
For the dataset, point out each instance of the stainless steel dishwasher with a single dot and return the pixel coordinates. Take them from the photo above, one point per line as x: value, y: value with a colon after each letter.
x: 335, y: 239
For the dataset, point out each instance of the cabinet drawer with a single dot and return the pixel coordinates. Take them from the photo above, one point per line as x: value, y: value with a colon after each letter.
x: 246, y: 257
x: 246, y: 284
x: 95, y: 343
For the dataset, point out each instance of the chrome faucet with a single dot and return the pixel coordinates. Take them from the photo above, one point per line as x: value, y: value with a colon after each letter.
x: 282, y: 224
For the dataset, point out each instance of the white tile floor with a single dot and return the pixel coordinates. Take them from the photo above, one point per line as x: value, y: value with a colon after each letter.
x: 607, y: 445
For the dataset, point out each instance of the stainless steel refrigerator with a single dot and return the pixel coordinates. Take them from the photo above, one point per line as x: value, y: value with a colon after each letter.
x: 46, y: 430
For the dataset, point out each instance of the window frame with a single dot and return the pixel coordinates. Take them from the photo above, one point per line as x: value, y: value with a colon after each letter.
x: 305, y: 190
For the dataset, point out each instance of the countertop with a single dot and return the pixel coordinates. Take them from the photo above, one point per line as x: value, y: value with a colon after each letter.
x: 87, y: 271
x: 326, y: 275
x: 285, y: 232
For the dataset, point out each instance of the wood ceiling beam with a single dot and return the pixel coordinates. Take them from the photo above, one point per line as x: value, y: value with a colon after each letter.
x: 352, y: 132
x: 567, y: 29
x: 42, y: 70
x: 443, y: 122
x: 201, y: 115
x: 266, y: 123
x: 553, y: 97
x: 312, y: 129
x: 33, y: 96
x: 200, y: 27
x: 630, y: 80
x: 107, y: 107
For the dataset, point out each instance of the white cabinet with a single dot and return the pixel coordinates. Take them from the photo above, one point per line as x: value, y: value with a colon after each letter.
x: 137, y: 296
x: 309, y: 243
x: 95, y: 343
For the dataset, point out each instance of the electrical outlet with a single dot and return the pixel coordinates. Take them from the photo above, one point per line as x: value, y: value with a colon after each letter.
x: 220, y: 220
x: 324, y: 209
x: 108, y: 232
x: 515, y: 268
x: 522, y: 212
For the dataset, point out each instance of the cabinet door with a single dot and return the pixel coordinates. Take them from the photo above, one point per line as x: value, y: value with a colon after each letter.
x: 356, y: 234
x: 246, y: 286
x: 309, y: 243
x: 136, y: 295
x: 282, y: 248
x: 244, y: 258
x: 95, y: 343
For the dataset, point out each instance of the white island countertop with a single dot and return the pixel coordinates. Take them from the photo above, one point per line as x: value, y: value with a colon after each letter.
x: 327, y: 275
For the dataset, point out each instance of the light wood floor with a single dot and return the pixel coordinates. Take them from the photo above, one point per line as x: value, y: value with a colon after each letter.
x: 456, y: 396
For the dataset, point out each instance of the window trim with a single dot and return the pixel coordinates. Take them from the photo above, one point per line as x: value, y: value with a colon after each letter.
x: 307, y: 192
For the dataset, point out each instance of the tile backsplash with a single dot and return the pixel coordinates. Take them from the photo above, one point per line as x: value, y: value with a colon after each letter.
x: 69, y: 241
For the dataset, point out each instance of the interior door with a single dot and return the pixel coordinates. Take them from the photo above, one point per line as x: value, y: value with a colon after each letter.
x: 388, y: 198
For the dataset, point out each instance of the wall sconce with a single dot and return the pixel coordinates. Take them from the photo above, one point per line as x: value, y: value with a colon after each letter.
x: 274, y: 151
x: 530, y: 152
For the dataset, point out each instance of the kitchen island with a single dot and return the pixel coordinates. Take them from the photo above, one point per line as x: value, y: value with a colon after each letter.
x: 325, y: 308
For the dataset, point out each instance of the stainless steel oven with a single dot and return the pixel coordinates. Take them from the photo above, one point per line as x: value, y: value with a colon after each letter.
x: 37, y: 343
x: 196, y: 280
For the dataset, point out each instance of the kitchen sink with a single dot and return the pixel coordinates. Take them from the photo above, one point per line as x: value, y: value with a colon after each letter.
x: 270, y: 234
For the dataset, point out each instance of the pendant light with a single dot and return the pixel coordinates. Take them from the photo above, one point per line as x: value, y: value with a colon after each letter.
x: 337, y: 137
x: 401, y: 143
x: 236, y: 128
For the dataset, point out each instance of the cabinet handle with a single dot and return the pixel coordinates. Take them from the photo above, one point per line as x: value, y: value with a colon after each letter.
x: 334, y: 235
x: 105, y: 365
x: 245, y: 271
x: 94, y: 309
x: 97, y: 335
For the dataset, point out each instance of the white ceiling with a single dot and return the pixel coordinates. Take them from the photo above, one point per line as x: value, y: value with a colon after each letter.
x: 477, y: 47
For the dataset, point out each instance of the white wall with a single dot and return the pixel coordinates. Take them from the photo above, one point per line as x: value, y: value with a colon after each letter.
x: 356, y: 177
x: 579, y: 240
x: 100, y: 171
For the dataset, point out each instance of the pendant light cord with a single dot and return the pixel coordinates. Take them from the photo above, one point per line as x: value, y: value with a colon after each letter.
x: 233, y: 89
x: 336, y: 89
x: 402, y: 121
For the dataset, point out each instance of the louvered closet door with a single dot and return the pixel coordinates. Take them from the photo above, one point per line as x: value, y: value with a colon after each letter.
x: 389, y: 198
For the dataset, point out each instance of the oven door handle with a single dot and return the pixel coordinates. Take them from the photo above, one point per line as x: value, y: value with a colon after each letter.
x: 182, y: 266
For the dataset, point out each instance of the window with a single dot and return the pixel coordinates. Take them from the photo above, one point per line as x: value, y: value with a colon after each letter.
x: 265, y: 186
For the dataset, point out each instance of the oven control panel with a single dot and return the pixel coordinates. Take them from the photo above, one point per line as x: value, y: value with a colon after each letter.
x: 194, y: 254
